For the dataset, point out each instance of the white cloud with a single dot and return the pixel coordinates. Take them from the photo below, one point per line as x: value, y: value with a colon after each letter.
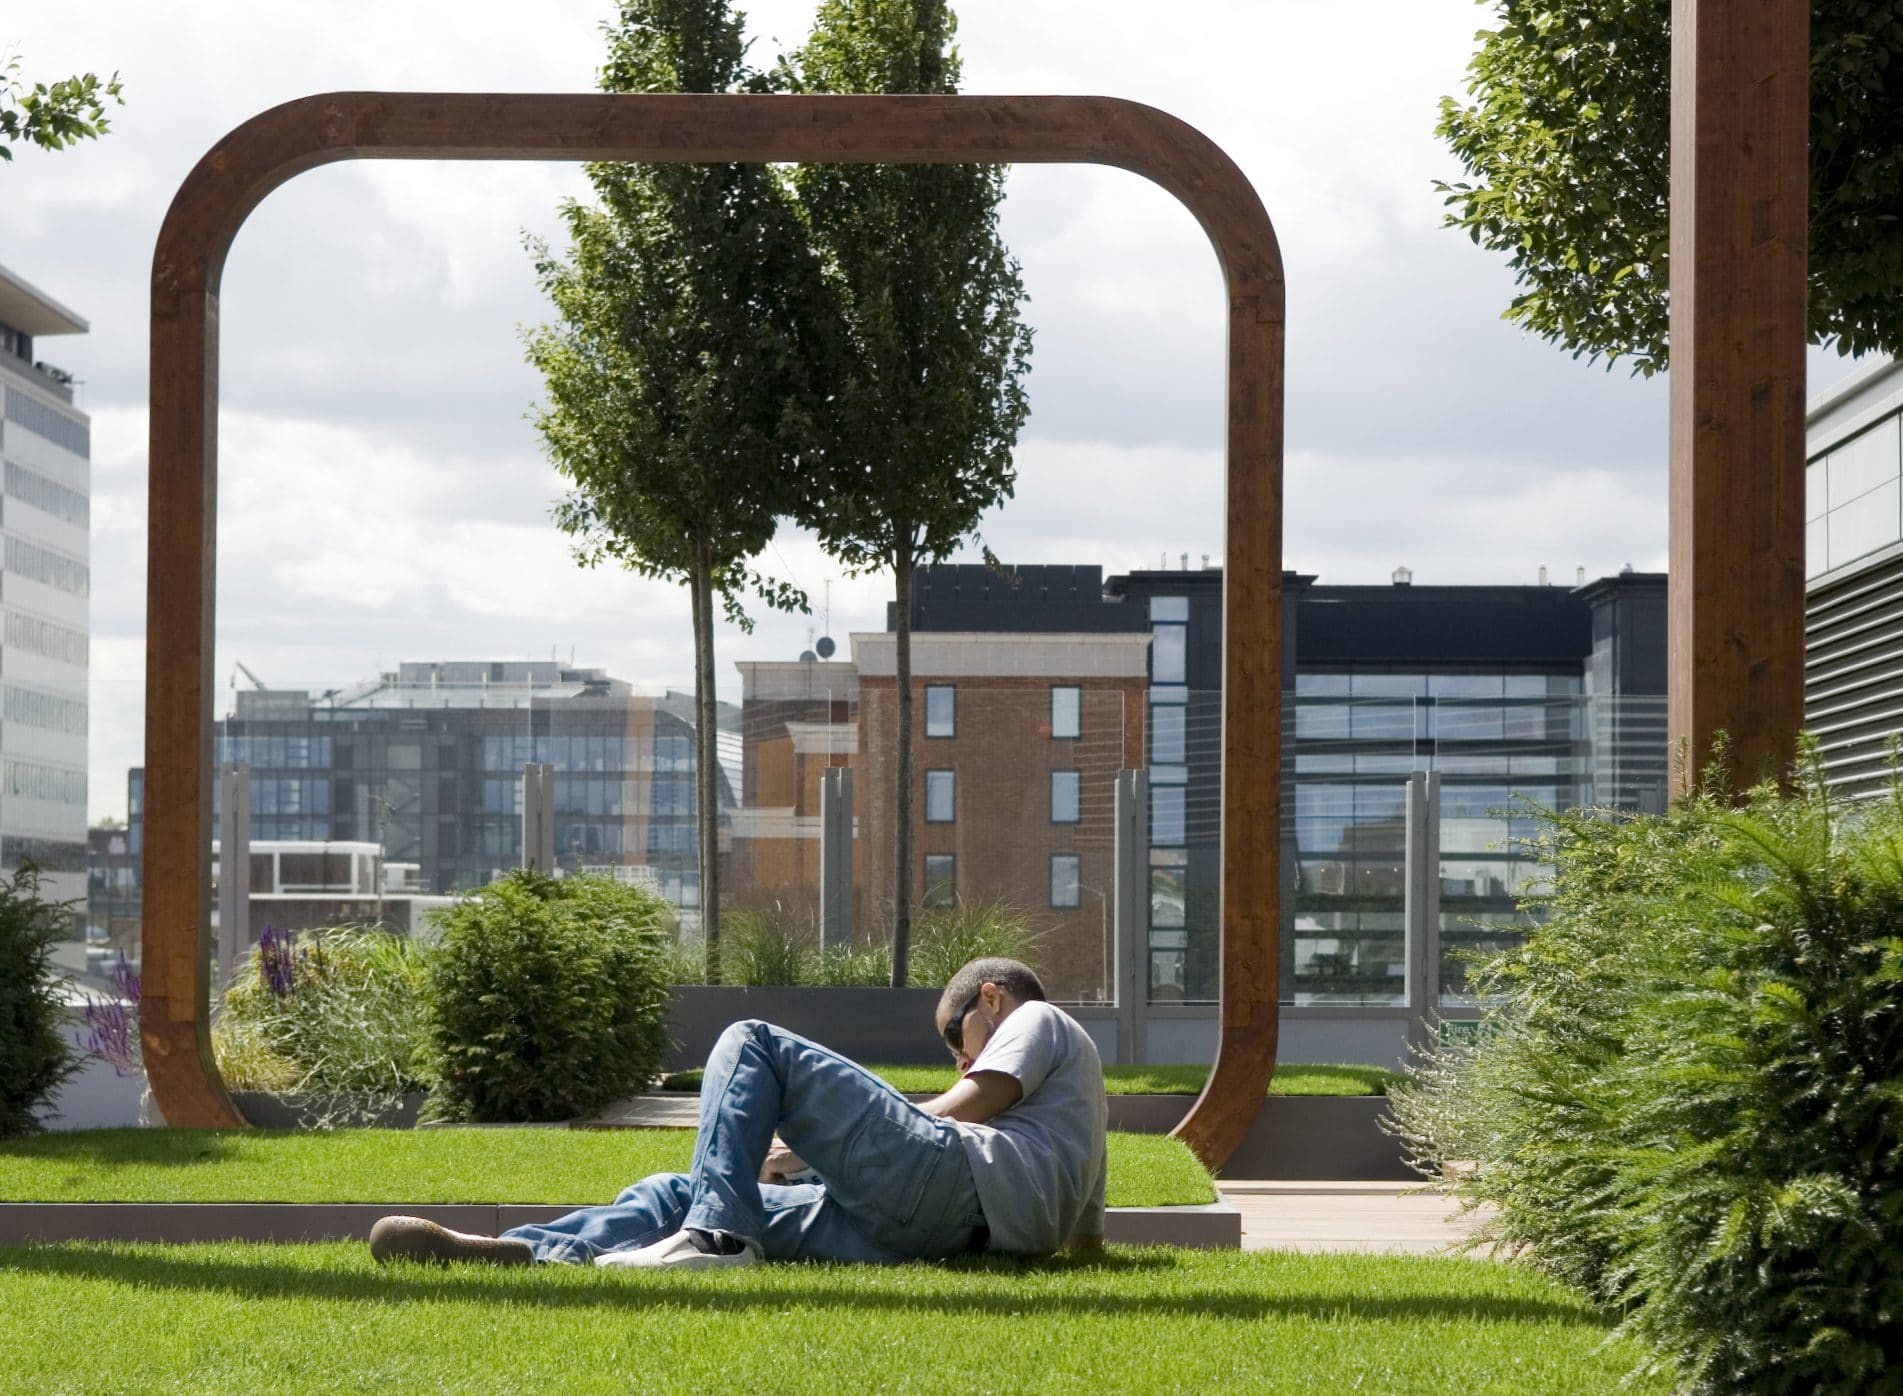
x: 383, y: 494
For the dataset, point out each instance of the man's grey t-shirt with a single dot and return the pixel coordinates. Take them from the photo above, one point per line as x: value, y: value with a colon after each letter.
x: 1040, y: 1166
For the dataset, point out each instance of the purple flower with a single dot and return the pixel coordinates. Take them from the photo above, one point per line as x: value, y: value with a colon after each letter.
x: 112, y: 1024
x: 278, y: 960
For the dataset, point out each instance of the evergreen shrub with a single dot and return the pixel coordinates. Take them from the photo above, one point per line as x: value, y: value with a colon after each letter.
x: 1691, y: 1104
x: 35, y: 1057
x: 548, y: 998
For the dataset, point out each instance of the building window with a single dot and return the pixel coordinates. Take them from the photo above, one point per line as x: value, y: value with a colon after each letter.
x: 941, y: 710
x: 1066, y: 795
x: 1169, y: 608
x: 940, y: 797
x: 1067, y: 713
x: 1166, y: 816
x: 1169, y: 654
x: 1066, y: 881
x: 1169, y: 729
x: 941, y: 879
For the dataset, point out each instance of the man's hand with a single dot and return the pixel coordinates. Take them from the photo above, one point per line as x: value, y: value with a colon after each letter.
x: 781, y: 1163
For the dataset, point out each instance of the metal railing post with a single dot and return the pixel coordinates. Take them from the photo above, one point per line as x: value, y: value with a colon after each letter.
x: 835, y: 857
x: 1422, y: 916
x: 1132, y: 890
x: 234, y: 869
x: 538, y: 817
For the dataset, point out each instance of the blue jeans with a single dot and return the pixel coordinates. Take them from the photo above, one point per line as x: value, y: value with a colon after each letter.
x: 895, y: 1182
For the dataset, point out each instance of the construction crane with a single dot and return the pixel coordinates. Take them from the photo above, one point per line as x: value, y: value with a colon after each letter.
x: 256, y: 682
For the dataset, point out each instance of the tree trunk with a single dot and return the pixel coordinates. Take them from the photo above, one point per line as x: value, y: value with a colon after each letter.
x: 902, y: 564
x: 706, y: 759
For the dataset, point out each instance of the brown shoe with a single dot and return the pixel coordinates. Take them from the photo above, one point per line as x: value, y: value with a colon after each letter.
x: 414, y: 1238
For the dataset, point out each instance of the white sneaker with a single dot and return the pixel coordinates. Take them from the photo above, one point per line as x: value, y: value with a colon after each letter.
x: 677, y: 1252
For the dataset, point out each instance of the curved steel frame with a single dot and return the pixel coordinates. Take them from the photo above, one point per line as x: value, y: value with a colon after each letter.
x: 272, y: 147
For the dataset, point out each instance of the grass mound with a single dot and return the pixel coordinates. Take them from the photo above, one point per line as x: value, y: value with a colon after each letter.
x: 1299, y: 1079
x: 557, y: 1166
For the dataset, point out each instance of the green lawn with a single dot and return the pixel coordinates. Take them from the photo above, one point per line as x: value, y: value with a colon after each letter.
x: 1135, y: 1080
x: 433, y: 1165
x: 249, y: 1318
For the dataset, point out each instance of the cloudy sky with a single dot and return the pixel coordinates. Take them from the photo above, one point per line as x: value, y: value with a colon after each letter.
x: 382, y: 494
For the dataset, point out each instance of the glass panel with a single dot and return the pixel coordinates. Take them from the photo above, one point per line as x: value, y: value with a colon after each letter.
x: 1171, y: 608
x: 1862, y: 463
x: 1465, y: 685
x: 941, y: 711
x: 1066, y: 882
x: 941, y: 879
x: 1065, y: 712
x: 1864, y: 525
x: 1169, y: 654
x: 1167, y: 728
x: 940, y: 802
x: 1166, y: 815
x: 1066, y: 789
x: 1169, y: 896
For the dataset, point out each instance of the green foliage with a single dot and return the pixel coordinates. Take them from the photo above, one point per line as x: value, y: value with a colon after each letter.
x: 35, y: 1057
x: 548, y: 1001
x: 951, y: 937
x: 928, y: 354
x: 1565, y: 139
x: 1691, y: 1105
x: 53, y: 115
x: 774, y: 944
x: 684, y: 372
x: 337, y: 1018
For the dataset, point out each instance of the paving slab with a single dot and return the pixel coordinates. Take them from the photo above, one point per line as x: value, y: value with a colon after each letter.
x: 1323, y: 1215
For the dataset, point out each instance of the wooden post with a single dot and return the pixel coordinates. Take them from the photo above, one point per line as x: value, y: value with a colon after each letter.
x: 1739, y: 229
x: 276, y: 145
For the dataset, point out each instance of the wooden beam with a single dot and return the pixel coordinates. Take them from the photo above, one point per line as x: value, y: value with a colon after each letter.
x: 276, y: 145
x: 1739, y: 239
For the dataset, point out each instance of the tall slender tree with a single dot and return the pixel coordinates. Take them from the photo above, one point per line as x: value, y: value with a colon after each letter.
x: 680, y: 377
x: 930, y: 354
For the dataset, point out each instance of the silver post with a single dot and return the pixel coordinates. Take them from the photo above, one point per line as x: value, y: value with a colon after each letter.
x: 234, y: 869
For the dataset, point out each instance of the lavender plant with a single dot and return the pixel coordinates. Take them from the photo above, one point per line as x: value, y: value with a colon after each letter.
x: 111, y: 1033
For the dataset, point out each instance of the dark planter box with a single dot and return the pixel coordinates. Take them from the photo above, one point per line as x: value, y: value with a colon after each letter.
x: 269, y: 1110
x: 1333, y: 1137
x: 889, y: 1026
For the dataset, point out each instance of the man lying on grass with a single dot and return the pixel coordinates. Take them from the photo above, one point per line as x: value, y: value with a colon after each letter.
x: 1011, y: 1158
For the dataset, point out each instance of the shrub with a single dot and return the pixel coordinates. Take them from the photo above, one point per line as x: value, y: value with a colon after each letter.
x: 35, y: 1058
x: 338, y: 1017
x: 1692, y: 1102
x: 768, y: 945
x: 946, y: 939
x: 548, y: 998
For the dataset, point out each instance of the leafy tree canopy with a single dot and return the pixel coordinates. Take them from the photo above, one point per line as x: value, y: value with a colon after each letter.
x: 679, y: 380
x: 53, y: 115
x: 1566, y: 138
x: 928, y: 390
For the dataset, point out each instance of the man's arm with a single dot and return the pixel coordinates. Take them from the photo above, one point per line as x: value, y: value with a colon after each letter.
x: 977, y: 1097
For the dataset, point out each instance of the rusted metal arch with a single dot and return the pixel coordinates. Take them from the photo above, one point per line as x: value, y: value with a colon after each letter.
x: 272, y: 147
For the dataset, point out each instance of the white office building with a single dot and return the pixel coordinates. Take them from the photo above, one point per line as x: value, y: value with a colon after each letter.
x: 45, y: 581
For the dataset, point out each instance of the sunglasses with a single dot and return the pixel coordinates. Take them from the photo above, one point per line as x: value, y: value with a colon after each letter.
x: 955, y: 1025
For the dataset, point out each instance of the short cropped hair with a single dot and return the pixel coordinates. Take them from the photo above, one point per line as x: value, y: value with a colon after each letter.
x: 1013, y: 976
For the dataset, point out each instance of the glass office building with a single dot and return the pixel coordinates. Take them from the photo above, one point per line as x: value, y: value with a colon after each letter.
x: 45, y: 601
